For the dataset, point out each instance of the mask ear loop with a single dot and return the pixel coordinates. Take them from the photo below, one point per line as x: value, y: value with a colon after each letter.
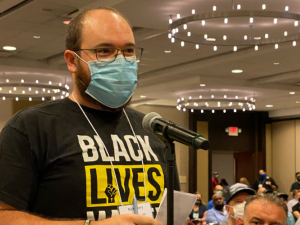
x: 104, y: 148
x: 80, y: 58
x: 140, y: 150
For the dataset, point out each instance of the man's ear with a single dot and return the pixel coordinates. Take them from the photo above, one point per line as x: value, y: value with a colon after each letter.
x: 71, y: 60
x: 240, y: 221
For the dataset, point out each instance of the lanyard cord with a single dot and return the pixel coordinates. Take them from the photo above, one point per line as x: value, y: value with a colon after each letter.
x: 104, y: 148
x: 108, y: 153
x: 139, y: 152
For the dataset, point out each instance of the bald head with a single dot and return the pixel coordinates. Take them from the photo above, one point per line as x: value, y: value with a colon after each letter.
x: 92, y: 18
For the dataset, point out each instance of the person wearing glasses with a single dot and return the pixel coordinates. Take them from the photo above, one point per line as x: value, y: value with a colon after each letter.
x: 83, y: 158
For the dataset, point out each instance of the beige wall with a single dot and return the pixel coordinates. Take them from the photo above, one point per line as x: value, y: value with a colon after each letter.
x: 285, y: 153
x: 202, y: 163
x: 181, y: 119
x: 269, y: 149
x: 5, y: 111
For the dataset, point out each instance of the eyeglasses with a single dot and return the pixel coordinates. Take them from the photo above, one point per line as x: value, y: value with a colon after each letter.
x: 109, y: 54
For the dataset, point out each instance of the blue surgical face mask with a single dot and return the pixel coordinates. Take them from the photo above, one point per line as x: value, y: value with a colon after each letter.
x: 112, y: 83
x: 263, y: 176
x: 219, y: 192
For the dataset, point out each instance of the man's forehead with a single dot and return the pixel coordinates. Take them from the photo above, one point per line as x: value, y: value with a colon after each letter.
x: 265, y: 211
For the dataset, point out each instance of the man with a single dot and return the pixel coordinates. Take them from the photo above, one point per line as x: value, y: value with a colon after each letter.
x: 217, y: 214
x: 290, y: 218
x: 293, y: 201
x: 214, y: 180
x: 236, y: 199
x: 266, y: 182
x: 296, y: 208
x: 263, y: 209
x: 81, y: 157
x: 218, y: 190
x: 296, y: 185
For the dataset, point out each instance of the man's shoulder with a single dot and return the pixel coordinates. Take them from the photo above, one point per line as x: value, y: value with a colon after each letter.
x: 31, y: 113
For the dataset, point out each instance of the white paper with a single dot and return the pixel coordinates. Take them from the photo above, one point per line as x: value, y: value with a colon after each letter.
x: 183, y: 205
x: 144, y: 209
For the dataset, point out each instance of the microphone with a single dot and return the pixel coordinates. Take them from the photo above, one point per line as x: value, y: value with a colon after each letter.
x: 154, y: 123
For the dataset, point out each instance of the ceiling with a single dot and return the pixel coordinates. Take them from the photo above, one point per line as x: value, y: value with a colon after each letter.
x: 163, y: 77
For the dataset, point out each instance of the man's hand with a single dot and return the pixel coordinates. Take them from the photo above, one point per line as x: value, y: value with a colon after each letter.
x: 128, y: 219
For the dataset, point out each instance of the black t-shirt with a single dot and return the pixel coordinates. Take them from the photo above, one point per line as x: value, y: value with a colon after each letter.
x: 53, y: 164
x: 201, y: 211
x: 296, y: 208
x: 295, y: 186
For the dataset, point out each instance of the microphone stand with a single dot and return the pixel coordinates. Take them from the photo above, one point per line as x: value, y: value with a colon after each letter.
x: 170, y: 181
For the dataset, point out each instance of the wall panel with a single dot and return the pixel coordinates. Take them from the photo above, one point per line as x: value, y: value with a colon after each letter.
x: 283, y: 154
x: 202, y: 163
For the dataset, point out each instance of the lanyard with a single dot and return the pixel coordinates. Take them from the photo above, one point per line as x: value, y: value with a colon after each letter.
x: 108, y: 153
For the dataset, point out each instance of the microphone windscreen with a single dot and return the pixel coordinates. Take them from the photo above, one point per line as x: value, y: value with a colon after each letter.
x: 148, y: 119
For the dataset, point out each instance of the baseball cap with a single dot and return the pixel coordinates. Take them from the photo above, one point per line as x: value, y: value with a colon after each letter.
x: 237, y: 188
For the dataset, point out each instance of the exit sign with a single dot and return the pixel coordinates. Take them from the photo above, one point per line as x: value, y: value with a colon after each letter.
x: 233, y: 131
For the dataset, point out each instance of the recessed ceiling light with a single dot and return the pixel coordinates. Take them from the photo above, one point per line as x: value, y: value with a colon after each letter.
x: 202, y: 85
x: 36, y: 36
x: 167, y: 51
x: 66, y: 22
x: 269, y: 106
x: 9, y: 48
x: 257, y: 38
x: 276, y: 63
x: 143, y: 96
x: 237, y: 71
x: 210, y: 39
x: 292, y: 93
x: 297, y: 102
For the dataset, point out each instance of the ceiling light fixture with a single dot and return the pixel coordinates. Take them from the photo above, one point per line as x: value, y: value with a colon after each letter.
x: 66, y: 22
x: 292, y: 93
x: 210, y: 39
x: 269, y: 106
x: 237, y: 71
x: 238, y: 7
x: 197, y: 46
x: 167, y: 51
x: 9, y: 48
x: 276, y: 63
x: 202, y: 85
x: 143, y: 96
x: 249, y: 39
x: 36, y: 36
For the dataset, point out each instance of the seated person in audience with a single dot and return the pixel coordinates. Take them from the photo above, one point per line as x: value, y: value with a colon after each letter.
x: 214, y: 180
x: 244, y: 180
x: 218, y: 190
x: 198, y: 214
x: 266, y: 182
x: 293, y: 201
x: 296, y: 185
x: 263, y: 209
x: 217, y: 214
x: 296, y: 208
x: 224, y: 184
x: 236, y: 199
x: 290, y: 218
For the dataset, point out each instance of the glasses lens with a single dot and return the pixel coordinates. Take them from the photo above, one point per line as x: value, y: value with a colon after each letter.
x: 132, y: 54
x: 106, y: 54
